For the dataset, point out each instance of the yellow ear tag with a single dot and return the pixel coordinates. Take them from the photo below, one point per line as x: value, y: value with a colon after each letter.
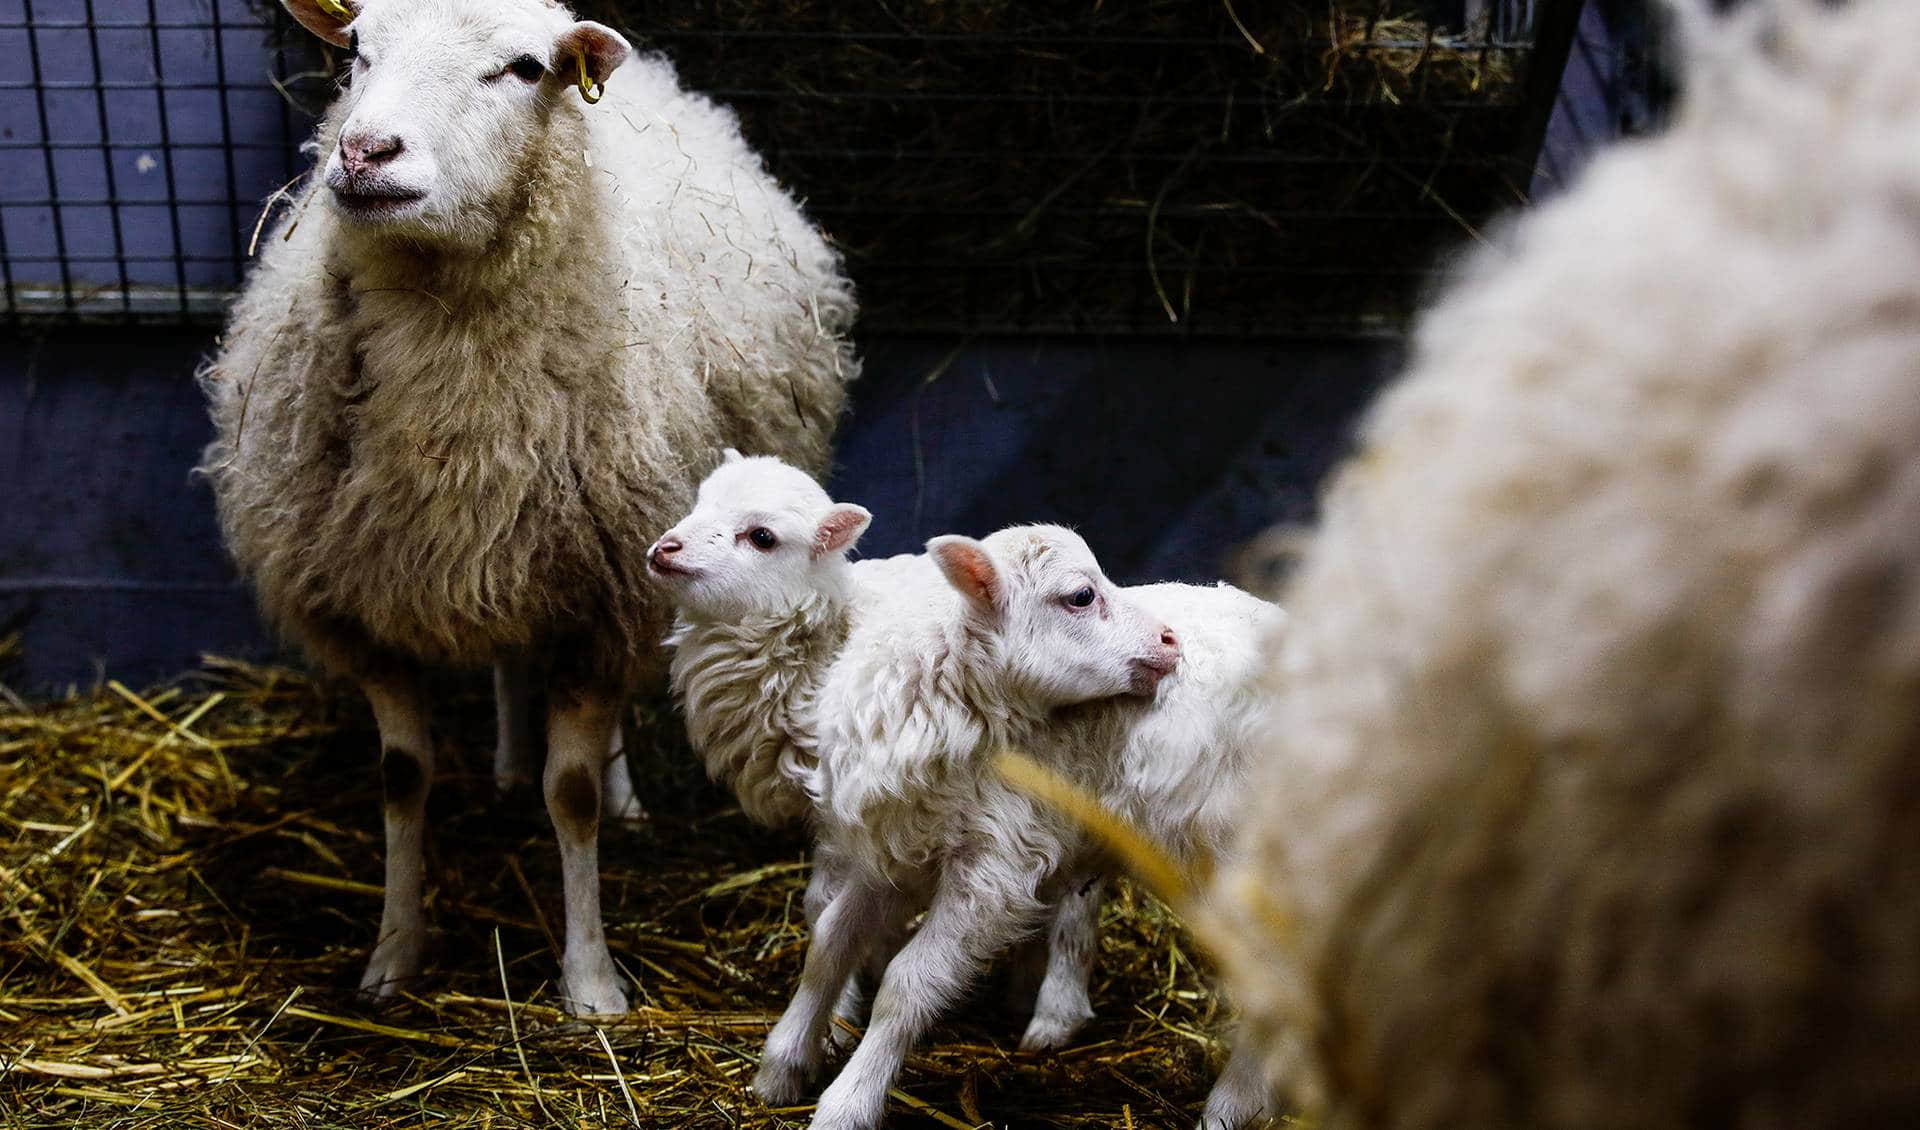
x: 337, y: 10
x: 589, y: 89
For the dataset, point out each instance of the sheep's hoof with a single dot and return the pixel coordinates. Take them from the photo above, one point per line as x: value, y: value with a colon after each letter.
x: 626, y: 811
x: 511, y: 783
x: 394, y: 963
x: 843, y: 1108
x: 596, y: 993
x: 1052, y: 1031
x: 844, y: 1033
x: 779, y: 1083
x: 618, y: 804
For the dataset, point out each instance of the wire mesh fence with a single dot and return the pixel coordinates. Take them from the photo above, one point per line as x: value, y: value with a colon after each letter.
x: 1123, y: 167
x: 138, y: 138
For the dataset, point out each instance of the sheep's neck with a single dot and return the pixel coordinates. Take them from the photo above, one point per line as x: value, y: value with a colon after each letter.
x: 748, y: 689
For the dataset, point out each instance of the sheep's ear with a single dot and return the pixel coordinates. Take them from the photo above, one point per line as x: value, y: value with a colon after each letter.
x: 603, y: 48
x: 840, y: 528
x: 324, y: 17
x: 729, y: 455
x: 969, y: 568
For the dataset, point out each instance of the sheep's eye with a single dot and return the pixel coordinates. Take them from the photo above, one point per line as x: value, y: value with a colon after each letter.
x: 353, y: 41
x: 527, y: 68
x: 762, y: 538
x: 1081, y: 599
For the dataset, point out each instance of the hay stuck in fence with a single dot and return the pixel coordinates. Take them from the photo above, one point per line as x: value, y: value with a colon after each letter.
x: 191, y: 886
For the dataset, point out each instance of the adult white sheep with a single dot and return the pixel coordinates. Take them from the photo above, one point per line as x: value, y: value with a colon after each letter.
x: 1595, y: 789
x: 766, y: 598
x: 481, y: 363
x: 1031, y: 654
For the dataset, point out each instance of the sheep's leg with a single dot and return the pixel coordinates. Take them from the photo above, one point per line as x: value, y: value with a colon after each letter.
x: 579, y: 730
x: 827, y: 881
x: 512, y: 710
x: 617, y: 800
x: 1239, y: 1096
x: 1062, y: 1005
x: 967, y: 924
x: 406, y: 771
x: 841, y: 935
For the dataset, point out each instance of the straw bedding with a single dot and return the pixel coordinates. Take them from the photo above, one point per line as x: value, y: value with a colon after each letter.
x: 188, y: 897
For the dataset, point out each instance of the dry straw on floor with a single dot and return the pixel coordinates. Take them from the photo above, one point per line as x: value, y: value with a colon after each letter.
x: 190, y: 880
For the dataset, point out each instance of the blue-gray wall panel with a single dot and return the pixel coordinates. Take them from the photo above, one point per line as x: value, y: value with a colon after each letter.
x: 1165, y: 455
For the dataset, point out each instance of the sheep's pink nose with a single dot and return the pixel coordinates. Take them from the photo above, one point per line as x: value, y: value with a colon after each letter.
x: 666, y: 547
x: 1170, y: 641
x: 364, y: 149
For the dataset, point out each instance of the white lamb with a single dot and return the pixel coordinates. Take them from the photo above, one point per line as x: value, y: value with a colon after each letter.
x: 486, y: 355
x: 766, y: 598
x: 1594, y: 796
x: 1037, y: 651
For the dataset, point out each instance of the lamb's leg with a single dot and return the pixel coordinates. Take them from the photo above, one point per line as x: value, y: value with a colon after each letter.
x: 851, y: 1009
x: 1239, y: 1096
x: 579, y: 729
x: 617, y: 800
x: 1062, y: 1005
x: 841, y: 935
x: 406, y: 771
x: 969, y: 922
x: 512, y: 710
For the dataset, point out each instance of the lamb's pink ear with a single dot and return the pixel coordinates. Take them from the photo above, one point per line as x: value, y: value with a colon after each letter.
x: 840, y: 528
x: 729, y: 455
x: 604, y: 49
x: 969, y: 568
x: 323, y: 17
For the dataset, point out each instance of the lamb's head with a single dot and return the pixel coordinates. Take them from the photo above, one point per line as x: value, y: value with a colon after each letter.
x: 762, y: 538
x: 1065, y: 633
x: 447, y: 104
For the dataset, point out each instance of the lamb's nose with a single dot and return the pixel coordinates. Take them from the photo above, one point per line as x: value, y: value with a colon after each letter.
x: 1168, y: 640
x: 666, y: 547
x: 364, y: 149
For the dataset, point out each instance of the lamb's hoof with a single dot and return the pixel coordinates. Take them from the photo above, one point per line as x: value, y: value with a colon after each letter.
x: 844, y: 1033
x: 595, y: 991
x: 843, y: 1108
x: 394, y: 964
x: 779, y: 1083
x: 1048, y: 1032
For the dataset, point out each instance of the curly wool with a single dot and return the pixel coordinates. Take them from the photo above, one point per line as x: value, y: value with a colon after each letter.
x: 1592, y: 791
x: 453, y: 458
x: 747, y: 690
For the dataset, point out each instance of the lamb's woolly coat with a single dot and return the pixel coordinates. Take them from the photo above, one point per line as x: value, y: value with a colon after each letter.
x: 749, y: 688
x: 453, y: 458
x: 1594, y: 787
x: 908, y: 720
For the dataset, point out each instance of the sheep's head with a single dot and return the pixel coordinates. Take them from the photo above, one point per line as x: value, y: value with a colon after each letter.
x: 446, y: 102
x: 762, y: 538
x: 1066, y: 634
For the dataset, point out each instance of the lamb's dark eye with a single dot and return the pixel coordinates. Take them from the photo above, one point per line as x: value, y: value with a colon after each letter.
x: 353, y: 41
x: 527, y: 68
x: 1081, y: 599
x: 762, y: 538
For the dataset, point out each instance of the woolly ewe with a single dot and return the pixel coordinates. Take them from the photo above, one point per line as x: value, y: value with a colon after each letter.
x: 1594, y: 797
x: 483, y: 360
